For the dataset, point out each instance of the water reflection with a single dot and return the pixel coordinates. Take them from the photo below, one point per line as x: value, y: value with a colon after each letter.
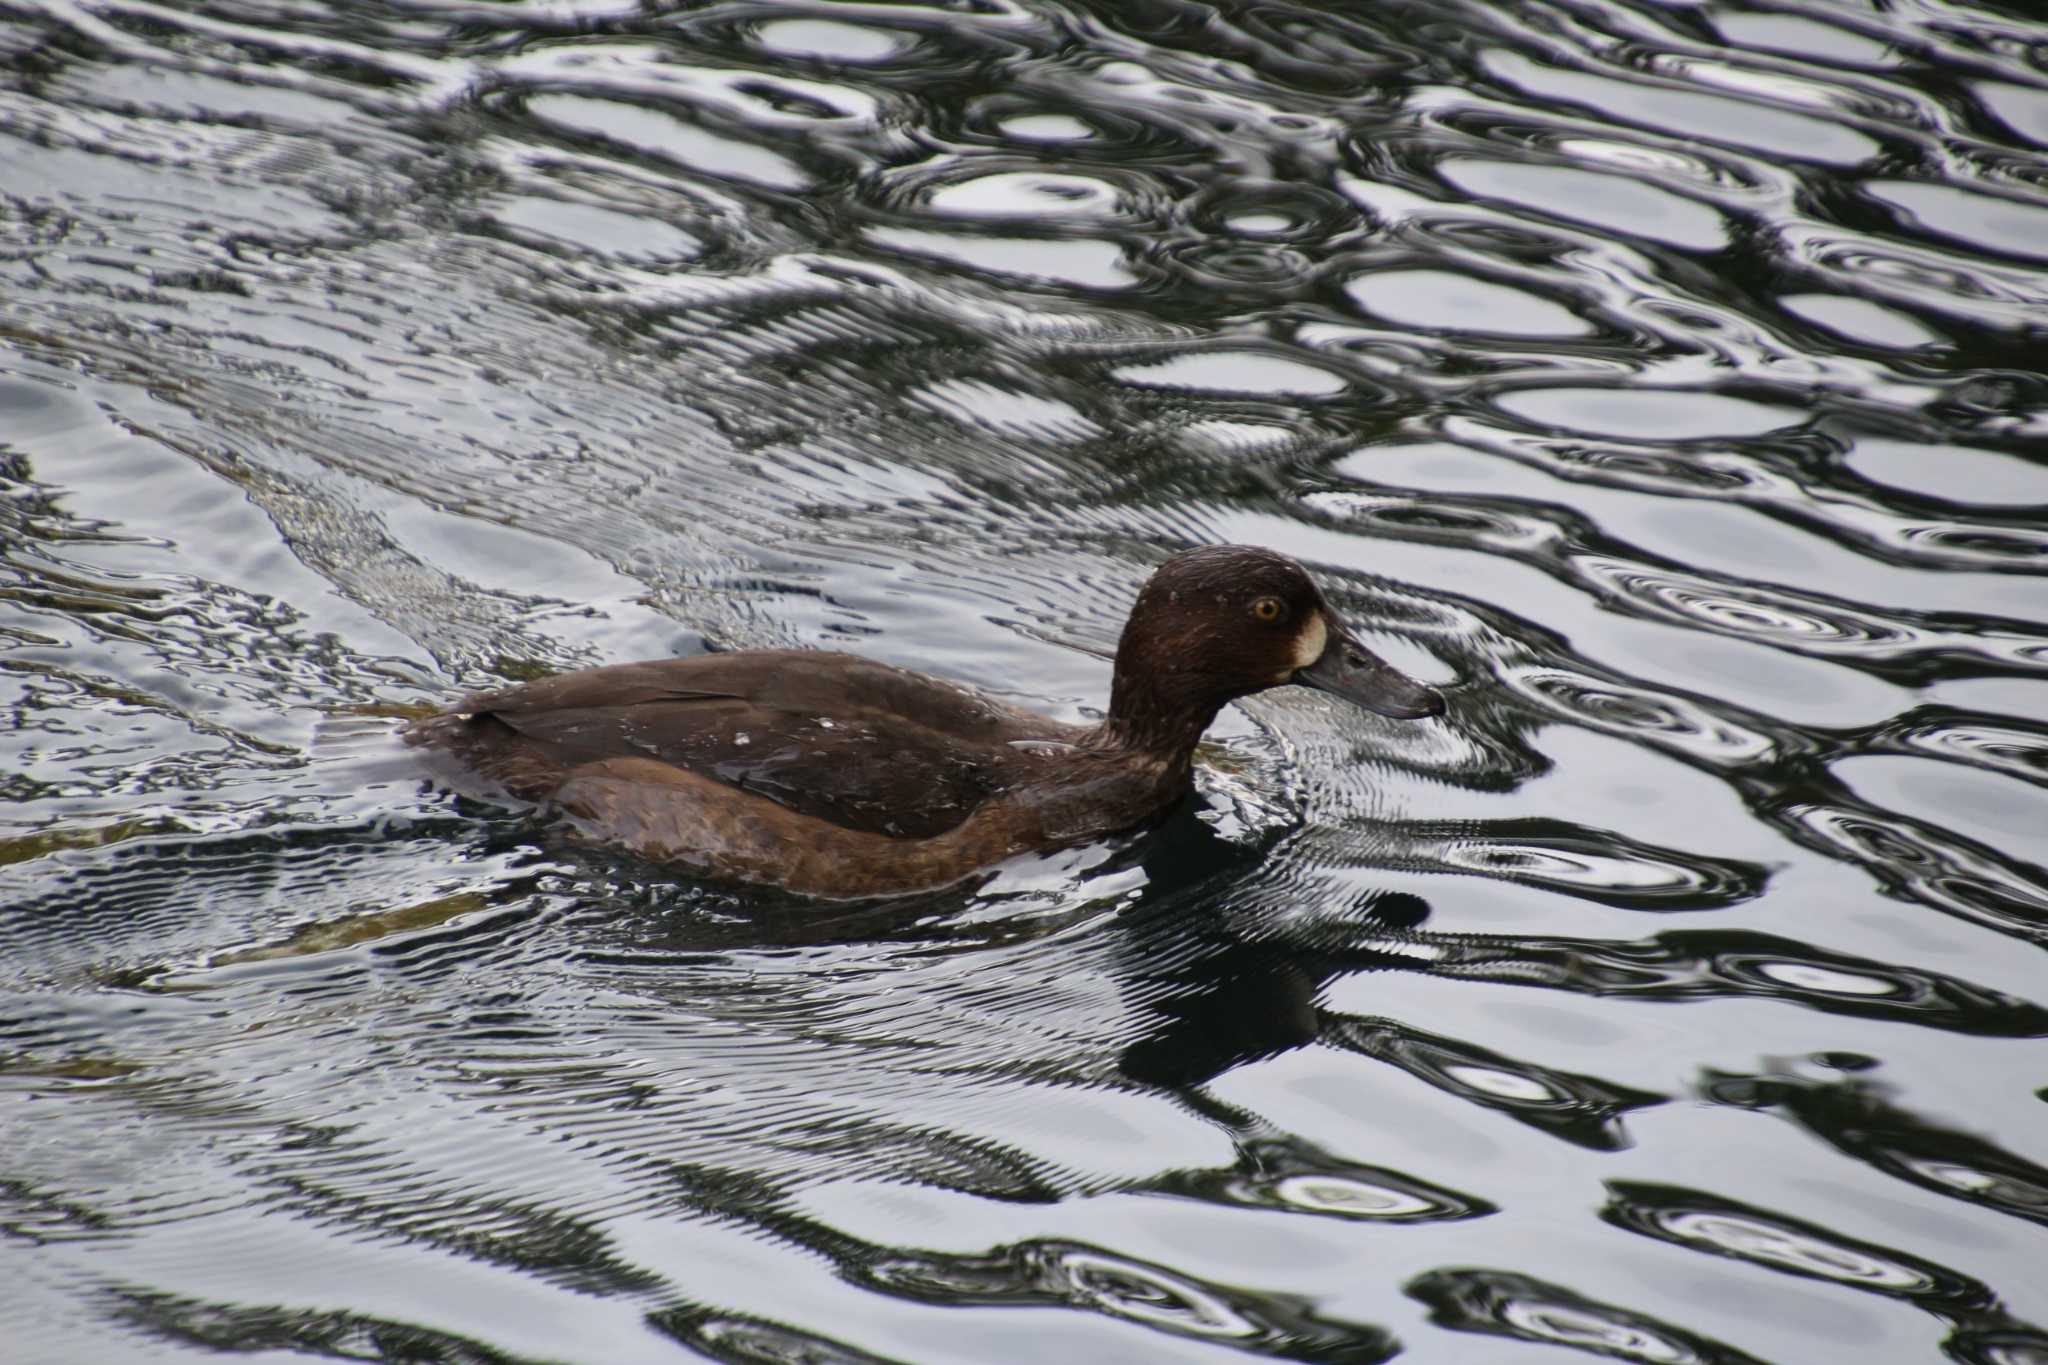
x: 1717, y: 1227
x: 1858, y: 1117
x: 1507, y: 1304
x: 1282, y: 1172
x: 1706, y: 964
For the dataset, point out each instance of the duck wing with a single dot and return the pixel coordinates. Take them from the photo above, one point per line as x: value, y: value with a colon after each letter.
x: 862, y: 745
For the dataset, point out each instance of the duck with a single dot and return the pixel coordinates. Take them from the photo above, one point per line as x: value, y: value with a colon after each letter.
x: 840, y: 777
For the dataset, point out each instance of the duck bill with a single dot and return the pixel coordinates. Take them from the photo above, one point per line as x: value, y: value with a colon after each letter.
x: 1349, y: 670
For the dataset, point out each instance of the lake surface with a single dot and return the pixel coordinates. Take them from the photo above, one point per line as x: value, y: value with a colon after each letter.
x: 1666, y: 381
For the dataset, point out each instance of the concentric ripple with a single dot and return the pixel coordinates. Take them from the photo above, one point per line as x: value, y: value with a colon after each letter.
x: 1638, y: 713
x: 1509, y: 1304
x: 1920, y: 863
x: 1708, y: 965
x: 1861, y: 1118
x: 1778, y: 618
x: 1700, y: 1222
x: 1079, y: 1276
x: 1604, y: 866
x: 1294, y: 1176
x: 2011, y: 748
x: 1581, y: 1109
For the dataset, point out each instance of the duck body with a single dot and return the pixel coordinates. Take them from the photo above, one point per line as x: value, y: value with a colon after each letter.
x: 833, y: 775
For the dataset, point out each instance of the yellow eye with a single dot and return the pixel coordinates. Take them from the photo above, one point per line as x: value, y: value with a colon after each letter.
x: 1269, y: 609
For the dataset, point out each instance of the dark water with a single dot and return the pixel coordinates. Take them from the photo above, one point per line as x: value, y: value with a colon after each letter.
x: 1666, y: 380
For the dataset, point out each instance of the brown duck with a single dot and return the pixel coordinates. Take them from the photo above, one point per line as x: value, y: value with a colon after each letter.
x: 832, y: 775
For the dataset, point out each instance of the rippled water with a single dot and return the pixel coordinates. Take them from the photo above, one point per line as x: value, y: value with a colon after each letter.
x: 1666, y: 380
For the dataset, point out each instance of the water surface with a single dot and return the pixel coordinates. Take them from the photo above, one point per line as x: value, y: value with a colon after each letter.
x: 1665, y: 381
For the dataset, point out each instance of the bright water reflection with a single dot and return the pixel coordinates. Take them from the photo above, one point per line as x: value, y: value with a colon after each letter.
x: 1664, y: 380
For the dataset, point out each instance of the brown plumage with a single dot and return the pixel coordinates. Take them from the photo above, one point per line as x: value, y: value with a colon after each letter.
x: 833, y: 775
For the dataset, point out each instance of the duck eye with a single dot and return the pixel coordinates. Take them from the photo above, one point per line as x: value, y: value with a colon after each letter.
x: 1269, y: 609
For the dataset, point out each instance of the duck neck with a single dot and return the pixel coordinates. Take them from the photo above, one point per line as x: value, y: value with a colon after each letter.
x: 1147, y: 719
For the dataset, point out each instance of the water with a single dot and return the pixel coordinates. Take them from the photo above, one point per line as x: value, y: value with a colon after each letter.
x: 1664, y: 380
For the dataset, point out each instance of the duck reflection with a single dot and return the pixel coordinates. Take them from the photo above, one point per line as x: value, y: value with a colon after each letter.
x: 1216, y: 988
x: 1207, y: 974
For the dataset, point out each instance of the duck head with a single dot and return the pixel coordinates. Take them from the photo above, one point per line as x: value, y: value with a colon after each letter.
x: 1225, y: 621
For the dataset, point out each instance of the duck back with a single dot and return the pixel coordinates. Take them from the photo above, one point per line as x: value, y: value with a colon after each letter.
x: 862, y: 745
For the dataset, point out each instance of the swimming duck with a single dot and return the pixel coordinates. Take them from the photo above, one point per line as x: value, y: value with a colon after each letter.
x: 835, y: 776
